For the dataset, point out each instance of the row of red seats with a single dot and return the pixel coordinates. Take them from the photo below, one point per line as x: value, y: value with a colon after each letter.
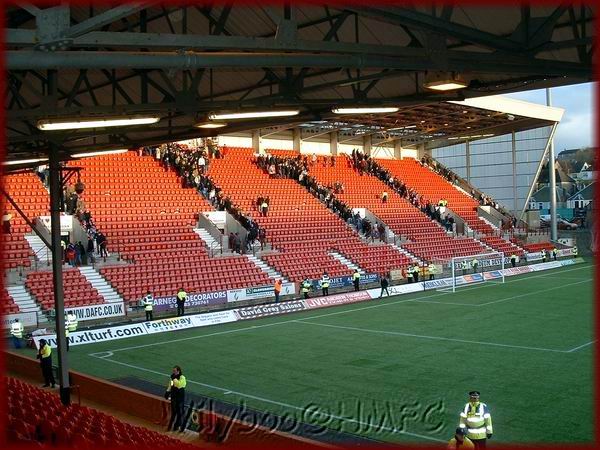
x: 297, y: 222
x: 502, y: 245
x: 538, y: 247
x: 77, y: 289
x: 28, y: 192
x: 7, y: 304
x: 435, y: 187
x: 365, y: 192
x: 159, y: 245
x: 35, y: 415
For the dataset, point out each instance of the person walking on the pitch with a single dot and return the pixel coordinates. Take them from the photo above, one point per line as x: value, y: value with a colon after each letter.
x: 176, y: 392
x: 384, y: 286
x: 181, y: 298
x: 45, y: 357
x: 460, y: 440
x: 476, y: 419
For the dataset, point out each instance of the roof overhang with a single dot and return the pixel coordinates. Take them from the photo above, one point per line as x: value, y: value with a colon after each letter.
x: 509, y: 105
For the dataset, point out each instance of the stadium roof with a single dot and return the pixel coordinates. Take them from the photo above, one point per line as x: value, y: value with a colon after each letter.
x: 182, y: 63
x: 434, y: 125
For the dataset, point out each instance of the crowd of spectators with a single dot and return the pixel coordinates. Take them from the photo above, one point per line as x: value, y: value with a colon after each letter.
x: 297, y: 168
x: 191, y: 164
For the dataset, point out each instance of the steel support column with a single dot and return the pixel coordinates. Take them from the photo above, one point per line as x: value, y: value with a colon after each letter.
x: 398, y: 149
x: 552, y: 187
x: 537, y: 173
x: 367, y: 145
x: 57, y: 275
x: 468, y: 160
x: 333, y: 143
x: 256, y: 141
x: 296, y: 139
x: 514, y: 171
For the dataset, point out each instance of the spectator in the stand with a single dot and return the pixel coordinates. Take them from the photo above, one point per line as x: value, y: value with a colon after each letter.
x: 238, y: 243
x: 102, y: 245
x: 90, y: 247
x: 384, y: 197
x: 272, y: 171
x: 262, y: 238
x: 264, y: 208
x: 70, y: 254
x: 231, y: 241
x: 450, y: 223
x: 252, y: 235
x: 358, y: 222
x: 6, y: 227
x: 381, y: 232
x: 314, y: 159
x: 81, y: 254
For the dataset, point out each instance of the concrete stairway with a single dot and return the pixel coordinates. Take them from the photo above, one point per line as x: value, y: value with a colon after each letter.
x: 25, y: 301
x: 346, y: 262
x: 270, y: 271
x: 212, y: 244
x: 105, y: 290
x: 42, y: 253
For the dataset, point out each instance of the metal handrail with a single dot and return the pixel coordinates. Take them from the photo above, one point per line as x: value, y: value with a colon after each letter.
x: 213, y: 246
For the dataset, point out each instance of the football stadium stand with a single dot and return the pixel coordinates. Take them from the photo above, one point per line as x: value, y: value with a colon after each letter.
x: 427, y: 238
x: 148, y: 218
x: 302, y: 229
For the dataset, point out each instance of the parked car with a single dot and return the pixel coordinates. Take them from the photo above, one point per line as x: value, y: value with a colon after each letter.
x: 561, y: 224
x: 564, y: 224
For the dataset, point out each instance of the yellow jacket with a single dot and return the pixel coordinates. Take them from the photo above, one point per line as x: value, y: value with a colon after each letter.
x: 476, y: 418
x: 466, y: 443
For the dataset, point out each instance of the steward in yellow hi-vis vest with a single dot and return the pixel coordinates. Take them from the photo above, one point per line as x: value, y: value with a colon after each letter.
x: 477, y: 420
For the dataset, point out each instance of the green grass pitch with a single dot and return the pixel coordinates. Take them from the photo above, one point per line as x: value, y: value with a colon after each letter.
x: 397, y: 369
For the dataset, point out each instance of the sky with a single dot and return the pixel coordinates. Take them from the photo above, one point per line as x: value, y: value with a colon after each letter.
x: 576, y: 130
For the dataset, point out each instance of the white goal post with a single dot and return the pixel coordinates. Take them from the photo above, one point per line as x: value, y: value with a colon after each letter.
x: 474, y: 269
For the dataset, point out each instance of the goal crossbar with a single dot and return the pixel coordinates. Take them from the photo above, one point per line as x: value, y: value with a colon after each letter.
x: 475, y: 269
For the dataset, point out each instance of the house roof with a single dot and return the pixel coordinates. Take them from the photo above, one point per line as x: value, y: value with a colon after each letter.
x: 587, y: 193
x: 543, y: 195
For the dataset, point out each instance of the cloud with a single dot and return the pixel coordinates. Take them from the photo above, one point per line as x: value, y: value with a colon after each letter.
x: 575, y: 131
x: 577, y: 126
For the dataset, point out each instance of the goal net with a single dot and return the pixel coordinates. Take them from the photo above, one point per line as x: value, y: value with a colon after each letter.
x: 463, y: 271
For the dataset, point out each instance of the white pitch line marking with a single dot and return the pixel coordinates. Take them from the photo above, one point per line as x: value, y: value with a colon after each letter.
x: 534, y: 293
x: 581, y: 346
x: 436, y: 338
x: 335, y: 313
x: 275, y: 402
